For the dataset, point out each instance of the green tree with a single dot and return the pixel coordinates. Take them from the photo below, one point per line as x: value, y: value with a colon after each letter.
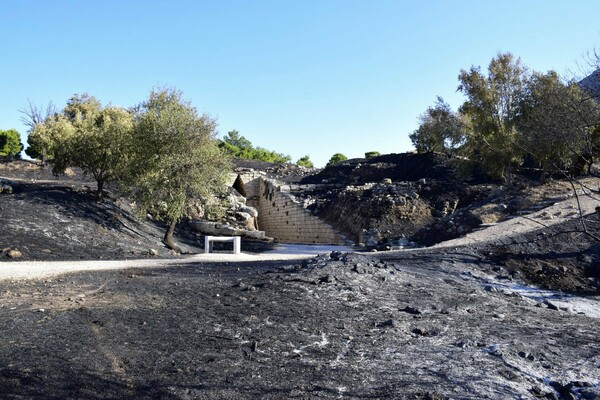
x: 440, y: 130
x: 235, y: 140
x: 175, y: 157
x: 370, y: 154
x: 10, y: 144
x: 32, y: 115
x: 493, y: 105
x: 559, y: 123
x: 240, y: 147
x: 50, y: 138
x: 99, y: 145
x: 305, y: 162
x: 336, y: 158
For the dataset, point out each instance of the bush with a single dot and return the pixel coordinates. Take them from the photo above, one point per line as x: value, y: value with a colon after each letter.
x: 10, y: 144
x: 336, y: 158
x: 305, y: 162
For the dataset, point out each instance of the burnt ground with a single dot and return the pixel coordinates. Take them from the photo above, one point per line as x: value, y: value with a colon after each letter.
x: 423, y: 325
x: 62, y: 220
x: 450, y: 323
x: 563, y: 258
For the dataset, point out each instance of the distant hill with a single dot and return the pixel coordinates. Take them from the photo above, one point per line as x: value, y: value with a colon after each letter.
x: 591, y: 84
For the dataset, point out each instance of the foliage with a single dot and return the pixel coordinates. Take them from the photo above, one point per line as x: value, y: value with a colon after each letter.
x: 556, y: 122
x: 10, y: 144
x: 440, y: 130
x: 31, y: 116
x: 87, y: 136
x: 305, y: 162
x: 370, y: 154
x: 493, y: 105
x: 50, y: 138
x: 240, y: 147
x: 336, y: 158
x: 99, y: 145
x: 175, y: 156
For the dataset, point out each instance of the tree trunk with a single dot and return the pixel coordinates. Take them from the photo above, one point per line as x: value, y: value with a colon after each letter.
x: 168, y: 239
x: 544, y: 172
x: 99, y: 192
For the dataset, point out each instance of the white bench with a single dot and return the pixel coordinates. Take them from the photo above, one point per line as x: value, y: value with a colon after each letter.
x: 237, y: 243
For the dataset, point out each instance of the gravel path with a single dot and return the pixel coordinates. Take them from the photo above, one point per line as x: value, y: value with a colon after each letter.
x: 44, y: 269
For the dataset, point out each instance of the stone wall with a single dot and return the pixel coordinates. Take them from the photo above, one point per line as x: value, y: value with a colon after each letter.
x: 251, y: 185
x: 286, y: 220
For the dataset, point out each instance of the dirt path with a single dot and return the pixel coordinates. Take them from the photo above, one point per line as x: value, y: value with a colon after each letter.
x: 44, y: 269
x: 557, y: 213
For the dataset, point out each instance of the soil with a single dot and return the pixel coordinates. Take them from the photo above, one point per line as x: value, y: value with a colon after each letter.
x: 456, y: 322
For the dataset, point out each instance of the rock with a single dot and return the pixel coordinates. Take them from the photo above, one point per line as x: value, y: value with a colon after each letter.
x: 502, y: 207
x: 6, y: 188
x: 386, y: 181
x: 420, y: 332
x: 153, y: 252
x: 413, y: 195
x: 411, y: 310
x: 550, y: 305
x: 242, y: 216
x: 14, y: 253
x: 249, y: 210
x: 386, y: 324
x: 250, y: 224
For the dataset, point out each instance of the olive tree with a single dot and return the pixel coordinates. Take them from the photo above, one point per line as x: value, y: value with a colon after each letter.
x: 440, y: 130
x: 557, y: 123
x: 493, y: 107
x: 174, y: 157
x: 99, y: 145
x: 32, y: 115
x: 50, y: 138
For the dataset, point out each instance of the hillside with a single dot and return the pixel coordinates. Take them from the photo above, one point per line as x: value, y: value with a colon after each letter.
x: 494, y: 314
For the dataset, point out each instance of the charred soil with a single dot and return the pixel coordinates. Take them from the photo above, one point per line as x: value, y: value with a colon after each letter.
x: 433, y: 323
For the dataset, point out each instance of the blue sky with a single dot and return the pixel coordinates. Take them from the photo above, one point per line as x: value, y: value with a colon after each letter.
x: 300, y: 77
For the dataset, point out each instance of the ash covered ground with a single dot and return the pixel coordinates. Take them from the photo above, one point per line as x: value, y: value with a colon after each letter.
x: 512, y: 319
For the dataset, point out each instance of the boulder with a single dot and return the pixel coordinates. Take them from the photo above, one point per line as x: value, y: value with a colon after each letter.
x: 249, y: 210
x: 14, y: 253
x: 242, y: 216
x: 5, y: 188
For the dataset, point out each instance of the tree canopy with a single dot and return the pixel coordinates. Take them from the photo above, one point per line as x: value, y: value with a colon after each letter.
x: 440, y: 129
x: 240, y: 147
x: 85, y: 135
x: 10, y: 144
x: 305, y: 162
x: 493, y: 108
x: 512, y: 115
x: 175, y: 157
x: 336, y: 158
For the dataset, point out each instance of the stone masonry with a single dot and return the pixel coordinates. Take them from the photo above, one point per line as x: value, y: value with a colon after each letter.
x: 286, y: 220
x: 281, y: 215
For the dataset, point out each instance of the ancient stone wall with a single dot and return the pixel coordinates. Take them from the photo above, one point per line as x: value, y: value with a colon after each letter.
x: 251, y: 185
x: 282, y: 217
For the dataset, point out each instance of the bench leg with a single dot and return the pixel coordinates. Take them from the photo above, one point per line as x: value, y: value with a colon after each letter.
x: 206, y: 244
x: 237, y: 245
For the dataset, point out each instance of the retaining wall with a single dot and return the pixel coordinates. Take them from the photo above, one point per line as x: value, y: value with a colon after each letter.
x: 287, y: 221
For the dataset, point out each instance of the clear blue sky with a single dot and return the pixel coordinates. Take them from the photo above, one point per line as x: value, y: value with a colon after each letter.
x: 296, y: 76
